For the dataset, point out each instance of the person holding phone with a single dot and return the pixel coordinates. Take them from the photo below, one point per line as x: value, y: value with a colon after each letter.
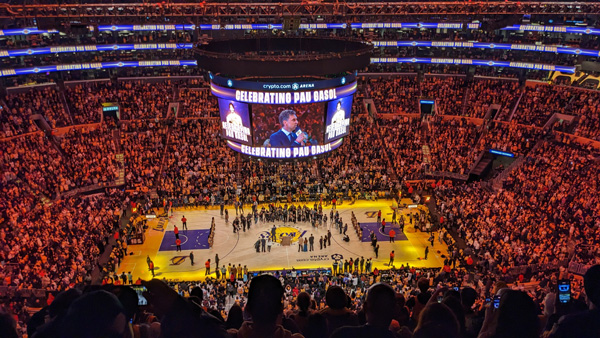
x: 586, y: 323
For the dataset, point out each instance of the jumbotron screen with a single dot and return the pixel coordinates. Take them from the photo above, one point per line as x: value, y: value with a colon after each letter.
x: 284, y: 120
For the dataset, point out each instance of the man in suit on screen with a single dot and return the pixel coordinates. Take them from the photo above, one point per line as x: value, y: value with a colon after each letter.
x: 286, y: 136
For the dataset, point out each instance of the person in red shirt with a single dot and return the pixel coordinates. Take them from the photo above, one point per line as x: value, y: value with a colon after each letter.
x: 383, y: 226
x: 207, y: 265
x: 333, y: 201
x: 151, y: 266
x: 176, y: 231
x: 184, y: 222
x: 392, y: 235
x: 392, y: 255
x: 178, y: 243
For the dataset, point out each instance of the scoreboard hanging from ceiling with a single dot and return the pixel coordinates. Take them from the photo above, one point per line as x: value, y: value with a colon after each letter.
x: 287, y: 119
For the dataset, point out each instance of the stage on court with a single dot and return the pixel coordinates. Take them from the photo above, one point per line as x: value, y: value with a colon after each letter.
x: 239, y: 248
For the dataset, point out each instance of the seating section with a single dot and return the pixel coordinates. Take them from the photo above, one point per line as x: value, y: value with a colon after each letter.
x: 540, y: 102
x: 485, y: 92
x: 448, y: 92
x: 86, y: 100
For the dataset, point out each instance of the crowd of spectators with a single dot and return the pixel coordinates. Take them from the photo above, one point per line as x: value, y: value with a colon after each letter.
x: 85, y: 100
x: 403, y: 139
x: 585, y: 105
x: 404, y: 302
x: 450, y: 145
x: 53, y: 247
x: 547, y: 208
x: 89, y: 157
x: 197, y: 163
x: 394, y: 95
x: 510, y: 137
x: 485, y: 92
x: 143, y: 143
x: 539, y: 102
x: 448, y: 92
x: 197, y: 103
x: 45, y: 101
x: 34, y: 161
x: 144, y: 100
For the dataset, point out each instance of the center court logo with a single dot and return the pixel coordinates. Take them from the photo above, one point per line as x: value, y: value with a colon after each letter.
x: 293, y: 232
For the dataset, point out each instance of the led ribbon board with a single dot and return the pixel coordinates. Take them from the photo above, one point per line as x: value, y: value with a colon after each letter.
x: 96, y: 65
x: 298, y: 96
x: 285, y: 153
x: 474, y: 62
x: 269, y: 26
x: 419, y: 25
x: 488, y: 45
x: 92, y: 48
x: 553, y: 29
x: 26, y: 31
x: 116, y: 28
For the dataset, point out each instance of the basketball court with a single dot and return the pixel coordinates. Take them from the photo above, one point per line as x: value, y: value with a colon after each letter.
x: 239, y: 248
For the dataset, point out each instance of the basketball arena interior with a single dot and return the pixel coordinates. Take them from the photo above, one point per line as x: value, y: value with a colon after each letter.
x: 296, y: 169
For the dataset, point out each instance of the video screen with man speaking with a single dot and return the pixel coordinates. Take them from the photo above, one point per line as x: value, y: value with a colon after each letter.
x: 284, y: 120
x: 283, y: 126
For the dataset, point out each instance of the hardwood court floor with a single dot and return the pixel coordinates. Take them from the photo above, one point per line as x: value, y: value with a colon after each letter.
x: 239, y: 248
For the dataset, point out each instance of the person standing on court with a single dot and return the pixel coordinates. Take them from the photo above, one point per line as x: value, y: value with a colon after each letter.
x: 392, y: 235
x: 273, y: 233
x: 426, y: 251
x: 311, y: 241
x: 176, y: 231
x: 192, y: 258
x: 178, y: 243
x: 392, y: 255
x: 383, y: 226
x: 184, y: 223
x: 151, y: 267
x: 376, y: 251
x: 217, y: 261
x: 207, y: 265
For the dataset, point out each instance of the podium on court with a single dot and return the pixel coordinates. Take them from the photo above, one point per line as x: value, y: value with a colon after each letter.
x: 286, y: 240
